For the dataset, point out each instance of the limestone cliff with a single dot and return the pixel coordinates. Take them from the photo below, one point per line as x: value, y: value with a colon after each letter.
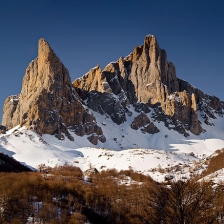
x: 48, y: 103
x: 145, y: 77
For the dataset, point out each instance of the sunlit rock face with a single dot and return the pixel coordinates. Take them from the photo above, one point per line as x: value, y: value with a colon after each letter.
x: 146, y: 78
x: 48, y: 103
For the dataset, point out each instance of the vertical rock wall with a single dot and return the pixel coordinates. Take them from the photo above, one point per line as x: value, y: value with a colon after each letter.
x: 48, y: 103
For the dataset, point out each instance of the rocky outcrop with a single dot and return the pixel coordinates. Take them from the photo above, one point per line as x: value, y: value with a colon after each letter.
x: 106, y: 103
x: 151, y: 129
x: 102, y: 138
x: 48, y: 103
x: 140, y: 121
x: 94, y: 80
x: 145, y: 78
x: 143, y: 122
x: 94, y: 138
x: 10, y: 112
x: 94, y: 87
x: 141, y: 107
x: 195, y: 126
x: 2, y: 129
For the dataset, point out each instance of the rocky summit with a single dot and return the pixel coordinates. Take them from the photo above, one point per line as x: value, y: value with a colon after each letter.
x: 146, y: 79
x: 49, y: 103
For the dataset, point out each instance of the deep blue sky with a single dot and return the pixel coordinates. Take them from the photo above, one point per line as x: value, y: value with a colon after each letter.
x: 89, y: 32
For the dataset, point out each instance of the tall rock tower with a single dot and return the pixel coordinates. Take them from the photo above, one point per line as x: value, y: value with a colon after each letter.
x: 48, y: 103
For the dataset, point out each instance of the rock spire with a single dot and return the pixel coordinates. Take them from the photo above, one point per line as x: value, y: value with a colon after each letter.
x: 145, y: 78
x: 48, y: 102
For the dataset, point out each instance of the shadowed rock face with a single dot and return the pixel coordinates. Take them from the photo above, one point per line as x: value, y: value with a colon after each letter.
x: 146, y: 78
x: 143, y: 122
x: 48, y: 103
x: 140, y: 121
x: 2, y: 129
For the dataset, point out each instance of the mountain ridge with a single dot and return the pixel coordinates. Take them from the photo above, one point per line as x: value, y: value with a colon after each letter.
x: 49, y: 103
x: 135, y: 112
x: 146, y: 77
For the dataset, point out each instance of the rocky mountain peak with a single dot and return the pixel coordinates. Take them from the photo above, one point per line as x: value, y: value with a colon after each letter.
x: 141, y: 88
x: 44, y: 49
x: 150, y: 41
x: 151, y: 47
x: 48, y: 61
x: 145, y: 78
x: 48, y: 102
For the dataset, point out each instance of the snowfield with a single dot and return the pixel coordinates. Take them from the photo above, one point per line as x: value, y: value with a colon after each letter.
x: 125, y: 148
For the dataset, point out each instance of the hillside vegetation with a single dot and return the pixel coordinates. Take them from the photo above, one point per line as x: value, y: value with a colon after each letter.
x: 215, y: 163
x: 8, y: 164
x: 60, y: 195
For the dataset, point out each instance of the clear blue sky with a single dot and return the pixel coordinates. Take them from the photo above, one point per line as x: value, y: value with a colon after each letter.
x: 89, y: 32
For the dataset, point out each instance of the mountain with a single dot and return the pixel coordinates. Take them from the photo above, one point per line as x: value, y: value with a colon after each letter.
x: 48, y: 103
x: 146, y: 79
x: 135, y: 111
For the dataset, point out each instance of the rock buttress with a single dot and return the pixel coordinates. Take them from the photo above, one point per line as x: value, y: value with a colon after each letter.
x: 48, y: 103
x: 146, y: 77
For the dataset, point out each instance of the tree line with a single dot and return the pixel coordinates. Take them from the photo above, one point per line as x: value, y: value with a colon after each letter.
x: 8, y: 164
x: 60, y: 195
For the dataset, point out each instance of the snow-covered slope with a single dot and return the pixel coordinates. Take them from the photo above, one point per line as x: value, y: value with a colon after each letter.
x: 124, y: 137
x: 159, y: 154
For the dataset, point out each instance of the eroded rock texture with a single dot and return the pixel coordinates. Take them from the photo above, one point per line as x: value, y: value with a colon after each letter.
x: 143, y: 122
x: 145, y: 78
x: 48, y: 103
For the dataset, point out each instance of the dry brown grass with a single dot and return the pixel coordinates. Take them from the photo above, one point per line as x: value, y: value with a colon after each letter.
x: 215, y: 163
